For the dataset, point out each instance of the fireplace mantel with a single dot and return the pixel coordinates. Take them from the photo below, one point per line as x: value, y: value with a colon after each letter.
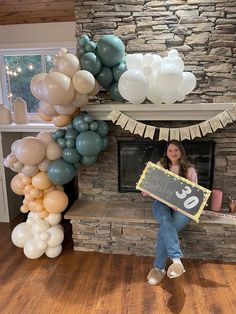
x: 145, y: 112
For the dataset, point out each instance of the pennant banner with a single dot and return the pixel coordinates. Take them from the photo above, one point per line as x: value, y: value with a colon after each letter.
x: 190, y: 132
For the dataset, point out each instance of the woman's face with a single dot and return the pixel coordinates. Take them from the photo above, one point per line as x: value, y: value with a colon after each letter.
x: 173, y: 153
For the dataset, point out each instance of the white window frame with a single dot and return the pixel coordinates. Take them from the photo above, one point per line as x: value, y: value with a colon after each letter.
x: 32, y: 117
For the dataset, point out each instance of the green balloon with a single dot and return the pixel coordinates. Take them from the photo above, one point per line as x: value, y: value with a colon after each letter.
x: 83, y: 126
x: 70, y: 126
x: 90, y: 47
x: 88, y: 118
x: 83, y: 40
x: 111, y: 50
x: 114, y: 92
x: 81, y: 51
x: 105, y: 143
x: 90, y: 62
x: 78, y: 119
x: 88, y: 160
x: 59, y: 133
x: 105, y: 77
x: 70, y: 155
x: 60, y: 171
x: 93, y: 126
x: 118, y: 70
x: 89, y: 143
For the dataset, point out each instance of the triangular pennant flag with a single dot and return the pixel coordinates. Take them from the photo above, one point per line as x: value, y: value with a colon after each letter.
x: 150, y: 131
x: 215, y: 123
x: 184, y: 133
x: 122, y: 120
x: 139, y: 129
x: 114, y: 115
x: 224, y: 118
x: 194, y: 131
x: 205, y: 127
x: 130, y: 126
x: 164, y: 134
x: 174, y: 134
x: 232, y: 112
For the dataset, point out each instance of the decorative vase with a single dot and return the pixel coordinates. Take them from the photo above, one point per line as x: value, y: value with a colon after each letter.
x: 216, y: 199
x: 20, y: 111
x: 5, y: 115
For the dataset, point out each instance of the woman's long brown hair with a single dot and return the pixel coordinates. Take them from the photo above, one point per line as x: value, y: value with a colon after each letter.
x: 184, y: 164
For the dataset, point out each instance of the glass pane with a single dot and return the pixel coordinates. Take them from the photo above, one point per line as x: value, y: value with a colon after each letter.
x: 19, y: 72
x: 48, y: 60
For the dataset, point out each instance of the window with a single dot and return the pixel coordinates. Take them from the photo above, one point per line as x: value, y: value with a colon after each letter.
x: 17, y: 70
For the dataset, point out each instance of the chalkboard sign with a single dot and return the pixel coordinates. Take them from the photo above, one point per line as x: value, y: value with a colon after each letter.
x: 187, y: 197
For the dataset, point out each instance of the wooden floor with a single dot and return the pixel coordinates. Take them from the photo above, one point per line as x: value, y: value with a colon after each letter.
x: 84, y: 283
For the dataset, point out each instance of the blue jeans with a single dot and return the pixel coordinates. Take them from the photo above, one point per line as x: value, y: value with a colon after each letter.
x: 170, y: 222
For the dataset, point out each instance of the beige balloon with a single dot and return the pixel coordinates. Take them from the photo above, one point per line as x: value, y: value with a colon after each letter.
x: 53, y: 151
x: 55, y: 201
x: 80, y: 100
x: 95, y: 90
x: 48, y: 109
x: 65, y: 110
x: 17, y: 186
x: 45, y: 137
x: 35, y: 87
x: 44, y: 117
x: 61, y: 120
x: 17, y: 166
x: 41, y: 181
x: 68, y: 64
x: 30, y: 151
x: 30, y: 170
x: 58, y: 89
x: 43, y: 165
x: 83, y: 82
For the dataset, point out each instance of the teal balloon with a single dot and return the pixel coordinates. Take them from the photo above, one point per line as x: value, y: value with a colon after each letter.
x: 89, y: 143
x: 70, y: 143
x: 88, y: 160
x: 90, y: 46
x: 78, y: 120
x: 60, y: 171
x: 61, y: 142
x: 83, y: 126
x: 111, y: 50
x: 70, y: 126
x: 105, y: 143
x: 77, y: 165
x: 72, y: 133
x: 105, y: 77
x: 70, y: 155
x: 83, y: 40
x: 114, y: 92
x: 88, y: 118
x: 103, y: 128
x: 93, y: 126
x: 59, y: 133
x: 90, y: 62
x: 118, y: 70
x: 81, y: 51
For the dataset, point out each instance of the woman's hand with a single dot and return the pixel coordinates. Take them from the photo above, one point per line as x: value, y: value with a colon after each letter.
x: 145, y: 194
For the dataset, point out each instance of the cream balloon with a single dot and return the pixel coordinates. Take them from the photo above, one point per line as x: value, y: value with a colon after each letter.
x: 43, y: 165
x: 53, y: 251
x: 54, y: 219
x: 16, y: 185
x: 33, y: 249
x: 44, y: 117
x: 95, y: 90
x: 40, y: 226
x: 53, y: 151
x: 58, y: 89
x: 17, y: 166
x: 83, y: 82
x: 56, y: 236
x: 61, y: 120
x: 21, y: 234
x: 30, y: 150
x: 68, y: 64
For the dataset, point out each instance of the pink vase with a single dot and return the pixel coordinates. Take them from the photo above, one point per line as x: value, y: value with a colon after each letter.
x: 216, y: 200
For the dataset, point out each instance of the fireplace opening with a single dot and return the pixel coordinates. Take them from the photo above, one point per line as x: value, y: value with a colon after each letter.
x: 134, y: 154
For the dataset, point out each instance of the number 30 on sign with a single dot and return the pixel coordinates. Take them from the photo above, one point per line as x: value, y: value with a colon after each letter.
x: 177, y: 192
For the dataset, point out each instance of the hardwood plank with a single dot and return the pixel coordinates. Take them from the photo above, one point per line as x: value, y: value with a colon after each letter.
x: 13, y: 9
x: 90, y: 282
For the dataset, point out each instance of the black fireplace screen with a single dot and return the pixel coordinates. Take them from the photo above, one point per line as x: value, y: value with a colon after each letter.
x: 134, y: 154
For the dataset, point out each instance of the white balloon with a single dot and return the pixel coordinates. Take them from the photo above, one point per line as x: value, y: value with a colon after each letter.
x: 154, y: 94
x: 56, y: 236
x: 69, y: 109
x: 44, y: 236
x: 133, y: 86
x: 134, y: 61
x: 54, y: 219
x: 39, y: 226
x: 32, y: 249
x: 21, y: 234
x: 173, y: 53
x: 169, y: 77
x: 83, y: 81
x: 187, y: 84
x: 148, y: 59
x: 53, y: 251
x: 68, y: 64
x: 47, y: 109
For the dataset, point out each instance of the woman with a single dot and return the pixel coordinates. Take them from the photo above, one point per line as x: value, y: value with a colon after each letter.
x: 170, y: 221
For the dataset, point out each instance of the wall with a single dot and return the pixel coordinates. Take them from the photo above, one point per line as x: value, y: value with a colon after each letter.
x: 100, y: 182
x: 204, y: 33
